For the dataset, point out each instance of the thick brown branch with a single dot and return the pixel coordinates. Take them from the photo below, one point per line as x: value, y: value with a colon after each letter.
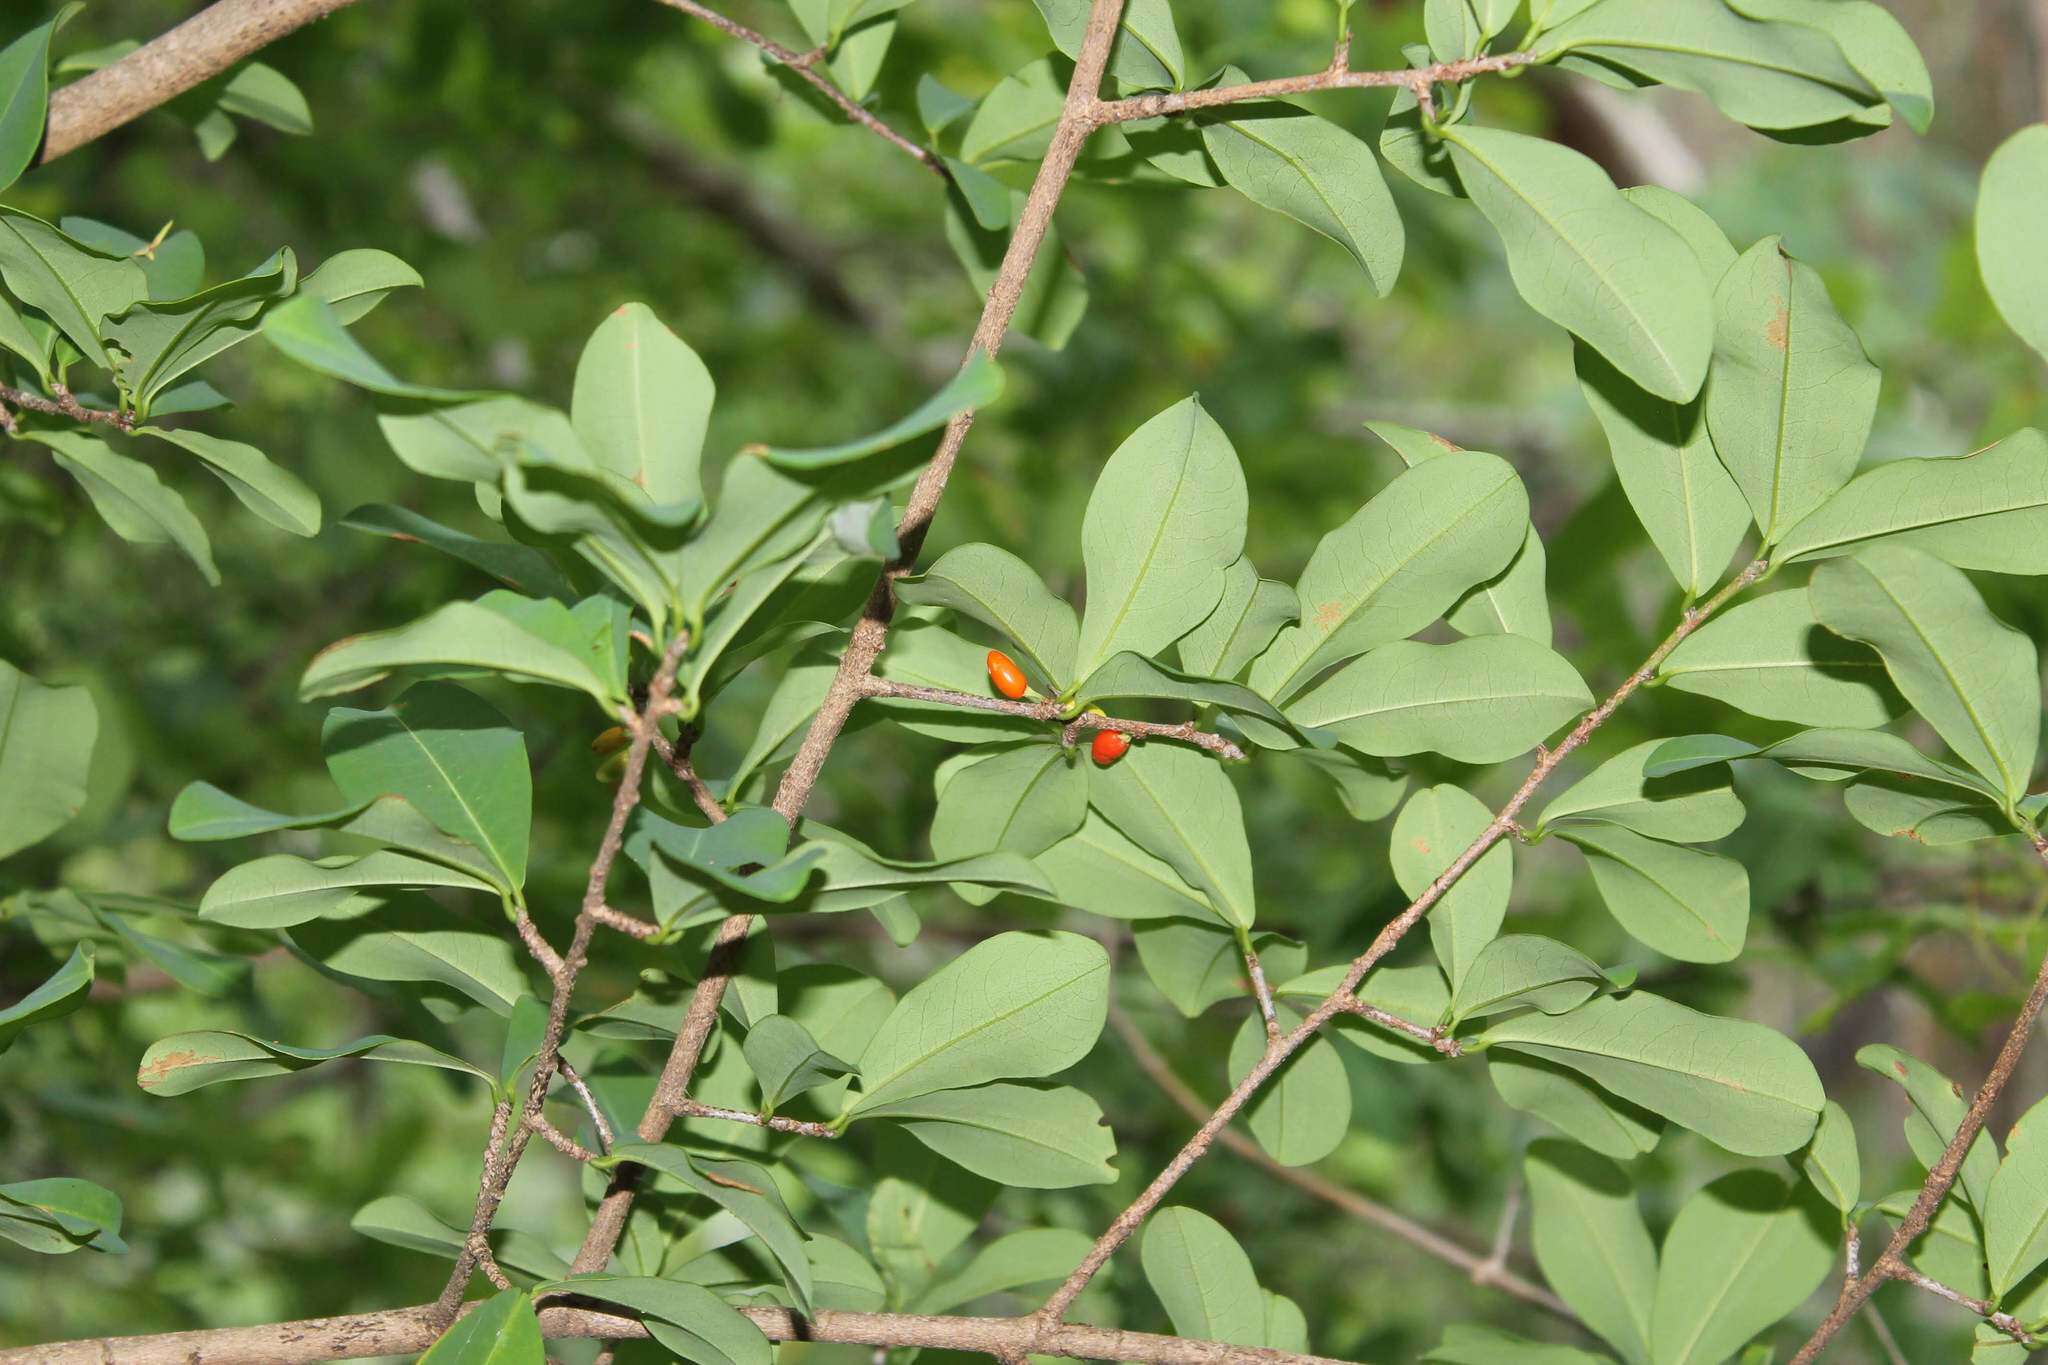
x: 858, y: 661
x: 63, y: 405
x: 1343, y: 999
x: 202, y: 47
x: 407, y: 1331
x: 1483, y: 1270
x: 806, y: 66
x: 1334, y: 78
x: 1891, y: 1263
x: 888, y: 688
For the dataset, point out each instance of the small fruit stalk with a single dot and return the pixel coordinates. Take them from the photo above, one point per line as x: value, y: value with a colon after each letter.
x: 1108, y: 746
x: 1004, y: 673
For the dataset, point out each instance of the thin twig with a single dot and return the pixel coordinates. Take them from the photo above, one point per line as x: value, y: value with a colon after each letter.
x: 1983, y: 1308
x: 1049, y: 710
x: 869, y: 633
x: 1335, y: 77
x: 1127, y: 1222
x: 1503, y: 1237
x: 1423, y: 1239
x: 1942, y: 1176
x: 536, y: 943
x: 1260, y: 990
x: 1429, y: 1037
x: 591, y: 1107
x: 558, y: 1139
x: 690, y: 1109
x: 631, y: 925
x: 491, y: 1189
x: 806, y: 66
x: 63, y: 405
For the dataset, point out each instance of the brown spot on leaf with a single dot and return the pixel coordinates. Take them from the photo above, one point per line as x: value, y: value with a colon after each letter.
x: 731, y: 1184
x: 1445, y: 442
x: 1422, y: 847
x: 153, y: 1073
x: 1778, y: 331
x: 1329, y: 616
x: 1900, y: 1067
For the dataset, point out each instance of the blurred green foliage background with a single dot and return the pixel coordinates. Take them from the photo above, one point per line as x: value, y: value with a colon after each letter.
x: 540, y: 164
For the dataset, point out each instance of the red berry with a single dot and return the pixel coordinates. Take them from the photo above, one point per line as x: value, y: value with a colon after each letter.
x: 1004, y: 673
x: 1108, y: 746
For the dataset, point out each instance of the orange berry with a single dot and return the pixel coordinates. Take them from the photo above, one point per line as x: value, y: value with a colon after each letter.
x: 1108, y: 746
x: 1004, y: 673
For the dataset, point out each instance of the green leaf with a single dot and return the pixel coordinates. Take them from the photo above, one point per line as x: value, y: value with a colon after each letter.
x: 641, y: 403
x: 1452, y: 28
x: 169, y: 338
x: 1250, y: 614
x: 1683, y: 495
x: 1001, y: 591
x: 1197, y: 963
x: 1016, y: 1005
x: 274, y: 494
x: 1055, y: 293
x: 1514, y: 602
x: 1098, y: 870
x: 1014, y: 121
x: 1202, y: 1277
x: 60, y: 1214
x: 1467, y: 1345
x: 1823, y: 755
x: 355, y: 281
x: 743, y: 1189
x: 1165, y: 521
x: 1830, y: 1162
x: 1591, y: 1242
x: 75, y: 285
x: 1793, y: 393
x: 1029, y: 1136
x: 267, y: 95
x: 188, y: 1061
x: 1367, y: 789
x: 282, y: 890
x: 457, y: 638
x: 1938, y: 1109
x: 1742, y: 1253
x: 1740, y: 1085
x: 62, y: 992
x: 1414, y: 993
x: 921, y: 1209
x: 452, y: 755
x: 1695, y: 807
x: 1316, y: 173
x: 24, y: 98
x: 309, y: 330
x: 1986, y: 510
x: 129, y: 497
x: 1526, y: 971
x: 1124, y: 675
x: 1398, y: 563
x: 1768, y: 76
x: 1024, y: 800
x: 787, y: 1060
x: 2012, y: 201
x: 1871, y: 41
x: 501, y: 1331
x: 1575, y: 1106
x: 2015, y: 1205
x: 47, y: 736
x: 1479, y: 700
x: 1952, y: 1248
x: 1436, y: 826
x: 1710, y: 245
x: 852, y: 876
x: 1178, y: 805
x: 1146, y: 52
x: 410, y: 940
x: 979, y: 383
x: 1771, y: 658
x: 1976, y: 680
x: 1589, y: 260
x: 471, y: 441
x: 688, y: 1319
x: 1302, y: 1112
x: 1686, y: 904
x: 1014, y: 1261
x: 519, y: 567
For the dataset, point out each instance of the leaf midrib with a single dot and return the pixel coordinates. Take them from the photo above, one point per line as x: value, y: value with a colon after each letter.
x: 1151, y: 550
x: 984, y: 1026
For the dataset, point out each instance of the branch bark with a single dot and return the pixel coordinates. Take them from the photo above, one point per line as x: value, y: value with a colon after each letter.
x: 1891, y: 1263
x: 1340, y: 1000
x: 195, y: 51
x: 1077, y: 120
x: 405, y: 1331
x: 889, y: 689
